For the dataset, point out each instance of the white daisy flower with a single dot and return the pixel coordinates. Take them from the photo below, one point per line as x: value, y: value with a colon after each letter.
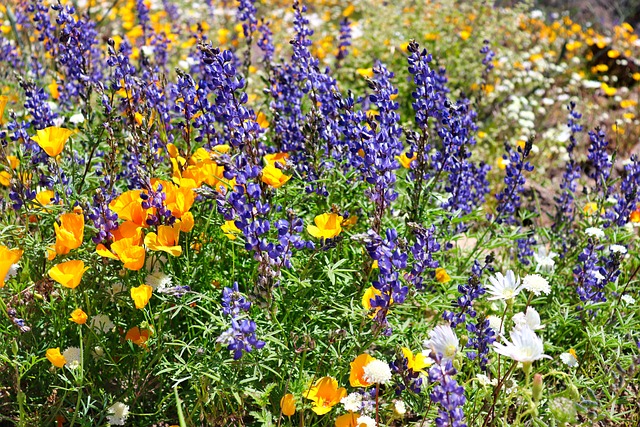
x: 366, y: 420
x: 76, y: 118
x: 496, y: 323
x: 504, y: 287
x: 442, y: 340
x: 377, y: 372
x: 530, y: 319
x: 118, y: 413
x: 525, y: 346
x: 537, y: 284
x: 485, y: 381
x: 73, y: 356
x: 352, y: 402
x: 544, y: 261
x: 594, y: 232
x: 570, y: 358
x: 399, y: 407
x: 618, y: 249
x: 102, y: 323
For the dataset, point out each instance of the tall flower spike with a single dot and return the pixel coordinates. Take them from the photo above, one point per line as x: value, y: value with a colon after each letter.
x: 565, y: 209
x: 446, y: 393
x: 240, y: 337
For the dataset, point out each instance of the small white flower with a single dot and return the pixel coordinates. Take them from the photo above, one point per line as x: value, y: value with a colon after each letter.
x: 377, y: 372
x: 591, y: 84
x: 511, y: 388
x: 13, y: 271
x: 496, y: 324
x: 442, y: 340
x: 485, y: 381
x: 594, y: 232
x: 530, y: 319
x: 352, y: 402
x: 525, y: 346
x: 537, y: 14
x: 504, y: 287
x: 76, y: 119
x: 98, y: 352
x: 73, y: 356
x: 147, y: 50
x: 117, y: 288
x: 618, y: 249
x: 366, y: 420
x: 102, y: 323
x: 118, y: 413
x: 544, y: 262
x: 597, y: 274
x: 537, y: 284
x: 158, y: 280
x: 628, y: 299
x: 569, y: 359
x: 399, y: 407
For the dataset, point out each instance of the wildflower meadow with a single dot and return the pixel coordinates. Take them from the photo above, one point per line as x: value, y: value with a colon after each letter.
x: 320, y: 213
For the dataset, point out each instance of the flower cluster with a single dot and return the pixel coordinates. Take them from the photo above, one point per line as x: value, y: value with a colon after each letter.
x: 241, y: 336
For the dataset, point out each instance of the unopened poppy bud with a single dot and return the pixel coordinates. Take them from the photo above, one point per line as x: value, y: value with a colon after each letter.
x: 537, y: 387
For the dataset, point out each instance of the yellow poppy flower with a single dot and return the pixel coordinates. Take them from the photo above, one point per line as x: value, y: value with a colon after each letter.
x: 348, y: 10
x: 626, y: 103
x: 131, y: 255
x: 406, y: 161
x: 128, y: 206
x: 365, y: 72
x: 45, y: 197
x: 78, y: 316
x: 442, y: 276
x: 464, y: 35
x: 608, y: 90
x: 128, y: 230
x: 55, y: 357
x: 13, y: 161
x: 166, y: 240
x: 328, y: 226
x: 138, y: 336
x: 230, y: 230
x: 590, y: 208
x: 368, y: 295
x: 68, y: 273
x: 272, y: 159
x: 5, y: 178
x: 325, y: 394
x: 350, y: 419
x: 70, y: 232
x: 3, y: 104
x: 141, y: 295
x: 186, y: 222
x: 502, y: 163
x: 8, y: 257
x: 416, y: 363
x: 261, y: 119
x: 356, y: 375
x: 52, y: 139
x: 274, y: 177
x: 288, y: 404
